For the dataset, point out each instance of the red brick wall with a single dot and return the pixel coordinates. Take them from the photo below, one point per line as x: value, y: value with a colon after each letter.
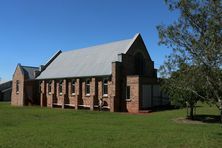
x: 129, y: 63
x: 133, y: 103
x: 79, y: 98
x: 17, y: 98
x: 72, y: 98
x: 61, y: 97
x: 128, y: 76
x: 43, y: 98
x: 116, y: 83
x: 49, y: 96
x: 106, y: 99
x: 122, y: 75
x: 85, y: 100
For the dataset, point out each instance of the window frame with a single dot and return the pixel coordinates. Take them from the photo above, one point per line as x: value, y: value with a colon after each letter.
x: 17, y: 86
x: 49, y: 87
x: 87, y: 87
x: 73, y: 87
x: 40, y: 87
x: 105, y: 85
x: 60, y: 87
x: 128, y: 93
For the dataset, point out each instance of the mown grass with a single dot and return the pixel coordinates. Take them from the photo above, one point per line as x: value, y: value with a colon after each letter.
x: 45, y: 127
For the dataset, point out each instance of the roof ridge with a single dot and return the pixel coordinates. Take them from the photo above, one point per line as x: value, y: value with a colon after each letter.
x: 29, y: 66
x: 4, y: 81
x: 132, y: 41
x: 77, y: 49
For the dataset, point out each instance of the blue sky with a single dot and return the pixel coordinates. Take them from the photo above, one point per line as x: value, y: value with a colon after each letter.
x: 31, y: 31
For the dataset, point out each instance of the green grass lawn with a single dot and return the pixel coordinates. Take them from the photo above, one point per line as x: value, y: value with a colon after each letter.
x: 45, y: 127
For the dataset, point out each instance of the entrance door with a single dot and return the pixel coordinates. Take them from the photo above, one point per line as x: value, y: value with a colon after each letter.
x: 147, y: 96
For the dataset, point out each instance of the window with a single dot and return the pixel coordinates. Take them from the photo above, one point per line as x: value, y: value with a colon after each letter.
x: 60, y: 87
x: 50, y: 87
x: 105, y: 87
x: 17, y: 86
x: 73, y: 88
x: 128, y: 92
x: 87, y: 87
x: 40, y: 84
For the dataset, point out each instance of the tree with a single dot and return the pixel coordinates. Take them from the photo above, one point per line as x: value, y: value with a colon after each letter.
x: 181, y: 92
x: 196, y: 41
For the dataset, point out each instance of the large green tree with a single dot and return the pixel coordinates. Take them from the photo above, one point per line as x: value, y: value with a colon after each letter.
x: 183, y: 88
x: 196, y: 40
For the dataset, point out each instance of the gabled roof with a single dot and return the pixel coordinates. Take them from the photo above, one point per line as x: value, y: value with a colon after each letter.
x: 5, y: 85
x: 91, y: 61
x: 29, y: 71
x: 4, y: 81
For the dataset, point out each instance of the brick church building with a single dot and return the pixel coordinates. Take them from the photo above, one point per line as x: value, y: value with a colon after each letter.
x: 122, y: 73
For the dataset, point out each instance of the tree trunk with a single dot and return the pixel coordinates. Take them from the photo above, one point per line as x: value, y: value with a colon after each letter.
x: 191, y: 112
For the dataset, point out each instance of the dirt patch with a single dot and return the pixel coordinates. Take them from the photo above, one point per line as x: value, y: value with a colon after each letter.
x: 187, y: 121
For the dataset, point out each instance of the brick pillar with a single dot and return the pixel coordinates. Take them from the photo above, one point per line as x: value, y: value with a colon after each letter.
x: 78, y: 92
x: 43, y: 92
x: 41, y: 99
x: 115, y: 87
x: 92, y: 93
x: 64, y: 87
x: 53, y: 92
x: 112, y: 106
x: 64, y: 92
x: 69, y: 91
x: 57, y: 91
x: 110, y: 99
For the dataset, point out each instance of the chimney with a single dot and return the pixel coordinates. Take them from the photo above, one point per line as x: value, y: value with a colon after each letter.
x: 120, y: 57
x: 41, y: 68
x: 36, y: 73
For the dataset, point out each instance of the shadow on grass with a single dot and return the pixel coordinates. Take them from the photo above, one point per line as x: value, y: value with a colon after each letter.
x: 163, y: 108
x: 220, y: 134
x: 167, y: 108
x: 207, y: 118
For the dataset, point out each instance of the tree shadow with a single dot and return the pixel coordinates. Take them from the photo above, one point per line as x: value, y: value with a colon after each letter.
x: 207, y: 118
x: 220, y: 134
x: 163, y: 108
x: 167, y: 108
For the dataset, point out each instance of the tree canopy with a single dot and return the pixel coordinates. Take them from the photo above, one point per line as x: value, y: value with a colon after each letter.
x: 193, y: 71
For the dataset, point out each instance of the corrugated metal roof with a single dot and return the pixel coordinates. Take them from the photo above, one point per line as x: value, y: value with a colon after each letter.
x: 3, y: 81
x: 5, y: 85
x: 91, y: 61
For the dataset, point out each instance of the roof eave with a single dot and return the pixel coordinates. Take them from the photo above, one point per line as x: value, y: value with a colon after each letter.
x: 74, y: 77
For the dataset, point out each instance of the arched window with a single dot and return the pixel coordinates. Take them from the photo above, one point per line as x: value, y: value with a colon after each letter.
x: 40, y: 87
x: 139, y: 64
x: 60, y: 87
x: 73, y: 88
x: 105, y: 87
x: 17, y: 86
x: 128, y: 92
x: 87, y: 87
x: 50, y: 87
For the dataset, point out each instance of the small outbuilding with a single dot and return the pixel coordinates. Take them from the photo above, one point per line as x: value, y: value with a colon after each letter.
x: 5, y: 90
